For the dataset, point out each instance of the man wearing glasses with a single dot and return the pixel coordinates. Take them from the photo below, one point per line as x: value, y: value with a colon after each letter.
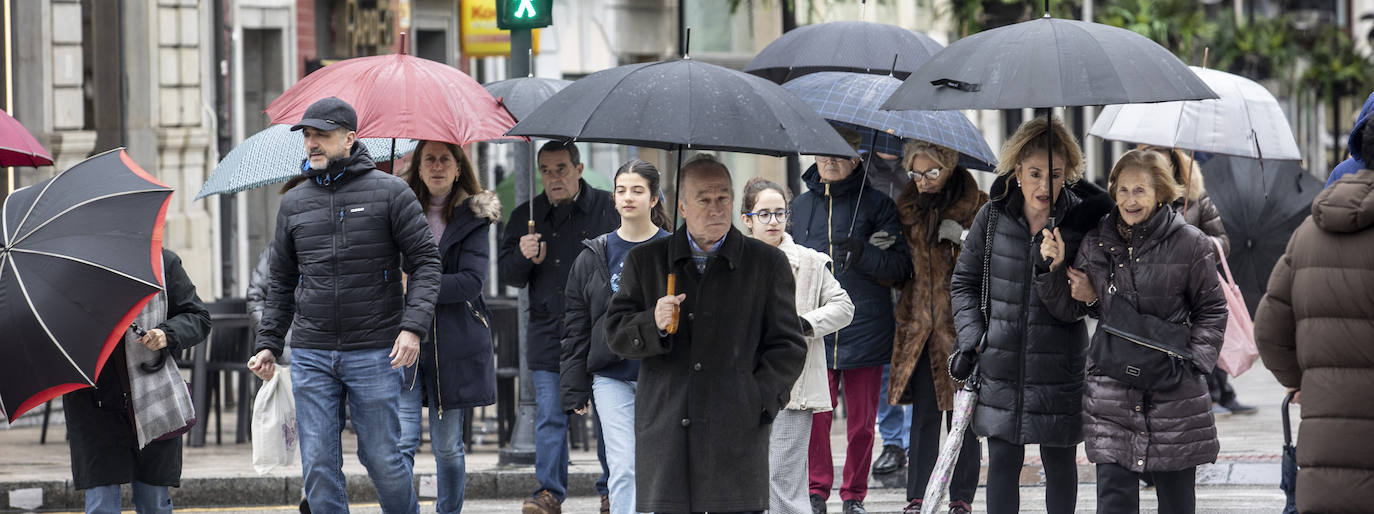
x: 838, y: 215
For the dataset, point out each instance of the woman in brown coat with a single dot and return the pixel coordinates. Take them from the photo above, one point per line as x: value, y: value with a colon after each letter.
x: 936, y: 207
x: 1144, y: 250
x: 1313, y: 330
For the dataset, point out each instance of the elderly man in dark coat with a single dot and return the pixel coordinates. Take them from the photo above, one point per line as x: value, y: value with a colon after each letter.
x: 715, y: 386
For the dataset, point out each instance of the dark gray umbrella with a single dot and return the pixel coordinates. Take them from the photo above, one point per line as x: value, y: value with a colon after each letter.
x: 523, y: 95
x: 1049, y: 62
x: 684, y: 104
x: 1260, y: 209
x: 857, y: 46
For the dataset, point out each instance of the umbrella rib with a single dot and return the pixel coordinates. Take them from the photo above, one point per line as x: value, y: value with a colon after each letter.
x: 88, y: 263
x: 20, y: 239
x: 32, y: 205
x: 25, y: 291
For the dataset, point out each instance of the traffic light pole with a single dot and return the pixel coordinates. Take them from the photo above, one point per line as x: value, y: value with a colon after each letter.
x: 520, y: 451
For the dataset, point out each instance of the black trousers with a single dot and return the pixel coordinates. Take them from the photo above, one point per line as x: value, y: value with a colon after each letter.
x: 1005, y: 460
x: 925, y: 441
x: 1219, y: 385
x: 1118, y: 490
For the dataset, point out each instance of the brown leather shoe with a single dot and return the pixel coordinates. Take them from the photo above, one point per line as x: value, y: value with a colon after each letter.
x: 542, y: 503
x: 605, y: 504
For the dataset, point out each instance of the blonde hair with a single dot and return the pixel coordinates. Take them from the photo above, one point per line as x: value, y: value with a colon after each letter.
x: 1161, y: 174
x: 1185, y: 169
x: 945, y: 157
x: 1030, y: 139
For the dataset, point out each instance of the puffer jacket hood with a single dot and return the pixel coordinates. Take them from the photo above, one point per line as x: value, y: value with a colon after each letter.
x: 1346, y: 206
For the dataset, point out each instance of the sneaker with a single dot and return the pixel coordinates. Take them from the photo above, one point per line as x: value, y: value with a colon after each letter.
x: 817, y: 504
x: 542, y: 503
x: 912, y: 508
x: 305, y: 506
x: 854, y: 507
x: 892, y: 459
x: 959, y: 507
x: 1239, y: 408
x: 1219, y: 411
x: 605, y: 504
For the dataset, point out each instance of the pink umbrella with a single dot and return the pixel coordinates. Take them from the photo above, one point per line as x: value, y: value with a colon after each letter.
x: 401, y: 96
x: 18, y: 147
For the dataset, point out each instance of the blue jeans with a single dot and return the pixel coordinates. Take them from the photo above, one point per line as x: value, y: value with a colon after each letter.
x: 894, y: 421
x: 446, y: 441
x: 321, y: 380
x: 601, y: 481
x: 550, y: 435
x: 615, y: 405
x: 147, y: 499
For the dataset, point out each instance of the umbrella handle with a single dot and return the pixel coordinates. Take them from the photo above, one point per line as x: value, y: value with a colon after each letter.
x: 531, y: 225
x: 672, y: 290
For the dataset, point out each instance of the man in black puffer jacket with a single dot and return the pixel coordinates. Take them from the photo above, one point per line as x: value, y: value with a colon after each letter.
x: 342, y: 240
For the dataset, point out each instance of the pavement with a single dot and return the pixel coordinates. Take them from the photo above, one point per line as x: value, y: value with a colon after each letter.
x: 220, y: 477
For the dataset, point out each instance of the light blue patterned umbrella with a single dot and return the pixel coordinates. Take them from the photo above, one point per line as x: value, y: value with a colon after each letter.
x: 854, y: 98
x: 275, y: 155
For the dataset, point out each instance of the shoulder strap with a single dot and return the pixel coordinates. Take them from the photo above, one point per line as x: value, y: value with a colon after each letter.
x: 989, y: 231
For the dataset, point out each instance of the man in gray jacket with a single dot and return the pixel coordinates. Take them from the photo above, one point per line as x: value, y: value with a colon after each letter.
x: 342, y: 239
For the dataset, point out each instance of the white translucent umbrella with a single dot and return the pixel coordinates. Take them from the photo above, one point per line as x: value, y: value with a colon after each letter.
x: 1245, y: 121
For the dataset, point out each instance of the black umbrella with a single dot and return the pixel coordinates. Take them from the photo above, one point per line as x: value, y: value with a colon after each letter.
x: 1047, y: 63
x: 1288, y: 478
x: 1260, y: 210
x: 857, y: 46
x: 82, y: 254
x: 523, y: 95
x: 684, y: 104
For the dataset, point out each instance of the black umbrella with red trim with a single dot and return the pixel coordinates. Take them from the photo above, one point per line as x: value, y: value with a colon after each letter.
x: 81, y: 256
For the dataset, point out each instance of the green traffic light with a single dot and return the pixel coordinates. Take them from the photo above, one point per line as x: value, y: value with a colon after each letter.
x: 526, y: 9
x: 523, y: 14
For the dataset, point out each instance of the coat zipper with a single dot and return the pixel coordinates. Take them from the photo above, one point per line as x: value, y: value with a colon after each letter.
x: 1025, y: 331
x: 830, y: 243
x: 334, y: 251
x: 343, y: 228
x: 438, y: 387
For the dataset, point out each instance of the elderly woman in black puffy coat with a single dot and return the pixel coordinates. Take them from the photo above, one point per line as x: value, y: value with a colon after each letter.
x: 1031, y: 365
x: 1144, y: 261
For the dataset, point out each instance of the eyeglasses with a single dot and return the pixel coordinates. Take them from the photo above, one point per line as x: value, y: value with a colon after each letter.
x: 769, y: 217
x: 930, y: 174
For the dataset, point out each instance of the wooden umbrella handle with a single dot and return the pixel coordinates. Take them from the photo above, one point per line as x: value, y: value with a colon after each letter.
x: 531, y: 227
x: 672, y: 290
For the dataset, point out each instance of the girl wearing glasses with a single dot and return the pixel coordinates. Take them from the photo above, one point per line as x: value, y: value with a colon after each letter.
x: 936, y: 207
x: 588, y: 367
x: 824, y: 308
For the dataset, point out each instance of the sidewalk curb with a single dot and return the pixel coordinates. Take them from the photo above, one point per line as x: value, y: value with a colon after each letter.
x: 519, y: 482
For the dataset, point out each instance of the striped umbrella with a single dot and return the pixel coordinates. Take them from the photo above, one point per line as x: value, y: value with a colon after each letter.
x: 275, y: 155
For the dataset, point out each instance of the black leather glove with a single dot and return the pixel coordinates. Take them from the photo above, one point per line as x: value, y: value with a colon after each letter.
x: 848, y: 250
x: 961, y: 364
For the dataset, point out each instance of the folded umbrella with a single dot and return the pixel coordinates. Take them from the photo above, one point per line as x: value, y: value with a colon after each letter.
x: 82, y: 254
x: 1246, y: 121
x: 1288, y: 470
x: 857, y: 46
x: 275, y: 155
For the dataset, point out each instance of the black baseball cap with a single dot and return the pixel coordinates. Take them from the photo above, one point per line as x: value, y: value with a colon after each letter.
x: 328, y: 114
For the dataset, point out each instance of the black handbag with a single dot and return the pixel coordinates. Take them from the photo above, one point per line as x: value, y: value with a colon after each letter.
x: 1141, y: 350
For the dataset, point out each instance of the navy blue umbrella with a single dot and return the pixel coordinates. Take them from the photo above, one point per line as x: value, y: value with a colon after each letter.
x: 855, y: 98
x: 1288, y: 481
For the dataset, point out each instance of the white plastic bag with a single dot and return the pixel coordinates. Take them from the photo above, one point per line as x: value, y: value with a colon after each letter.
x: 276, y: 441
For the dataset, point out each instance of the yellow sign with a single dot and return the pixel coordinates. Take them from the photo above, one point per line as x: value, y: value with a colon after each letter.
x: 480, y: 36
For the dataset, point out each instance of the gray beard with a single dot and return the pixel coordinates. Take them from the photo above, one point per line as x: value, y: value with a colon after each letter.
x: 327, y: 164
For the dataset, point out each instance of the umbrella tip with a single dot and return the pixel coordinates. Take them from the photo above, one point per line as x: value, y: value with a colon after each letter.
x: 403, y: 43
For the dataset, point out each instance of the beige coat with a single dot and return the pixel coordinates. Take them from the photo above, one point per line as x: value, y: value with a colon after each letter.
x: 827, y: 308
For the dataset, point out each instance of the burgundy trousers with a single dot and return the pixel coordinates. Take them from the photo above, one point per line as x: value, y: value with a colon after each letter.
x: 861, y: 414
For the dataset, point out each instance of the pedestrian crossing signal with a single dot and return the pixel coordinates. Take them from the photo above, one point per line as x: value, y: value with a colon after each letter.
x: 523, y: 14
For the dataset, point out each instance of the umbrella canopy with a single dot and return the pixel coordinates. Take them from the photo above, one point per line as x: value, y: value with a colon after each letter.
x: 82, y: 255
x: 401, y: 96
x: 275, y: 155
x: 857, y: 46
x: 854, y: 98
x: 17, y: 145
x: 684, y: 104
x: 523, y: 95
x: 1046, y: 63
x: 1246, y: 121
x: 1260, y: 209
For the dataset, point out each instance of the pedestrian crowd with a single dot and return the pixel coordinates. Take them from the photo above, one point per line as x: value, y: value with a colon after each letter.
x: 736, y: 345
